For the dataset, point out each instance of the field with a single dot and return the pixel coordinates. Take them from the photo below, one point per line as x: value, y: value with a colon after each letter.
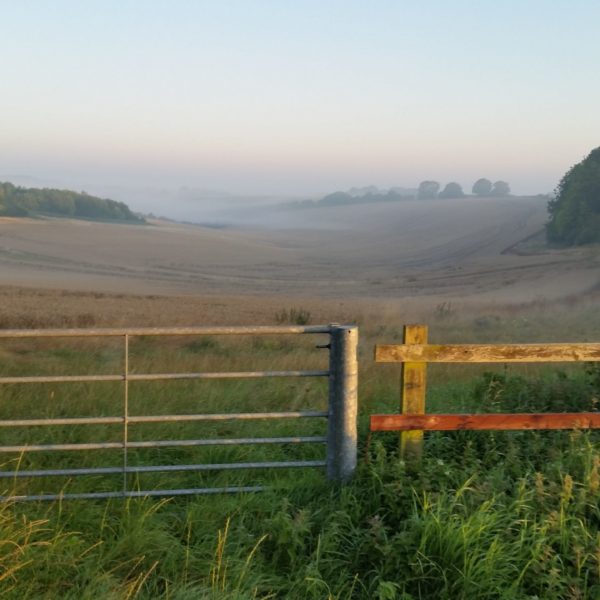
x: 461, y: 249
x: 485, y: 515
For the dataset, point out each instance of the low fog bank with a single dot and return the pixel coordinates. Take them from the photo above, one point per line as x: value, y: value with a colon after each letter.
x: 355, y: 209
x: 185, y: 204
x: 466, y: 215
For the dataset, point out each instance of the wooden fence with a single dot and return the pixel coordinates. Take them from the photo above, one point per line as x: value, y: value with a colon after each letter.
x: 415, y: 353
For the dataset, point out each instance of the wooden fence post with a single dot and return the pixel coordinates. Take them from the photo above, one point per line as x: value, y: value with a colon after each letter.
x: 412, y: 393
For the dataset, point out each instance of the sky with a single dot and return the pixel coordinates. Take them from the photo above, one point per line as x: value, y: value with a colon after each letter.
x: 298, y: 97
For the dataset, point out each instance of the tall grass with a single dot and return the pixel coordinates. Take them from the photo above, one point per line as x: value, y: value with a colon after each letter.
x: 495, y: 515
x: 456, y: 528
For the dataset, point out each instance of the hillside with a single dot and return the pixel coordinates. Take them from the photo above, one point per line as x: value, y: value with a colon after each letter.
x: 18, y: 201
x: 390, y: 250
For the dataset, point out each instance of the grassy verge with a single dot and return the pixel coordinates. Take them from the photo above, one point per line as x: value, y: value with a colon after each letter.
x: 485, y: 515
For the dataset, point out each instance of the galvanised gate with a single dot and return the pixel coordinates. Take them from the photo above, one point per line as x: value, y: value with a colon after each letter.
x: 340, y: 439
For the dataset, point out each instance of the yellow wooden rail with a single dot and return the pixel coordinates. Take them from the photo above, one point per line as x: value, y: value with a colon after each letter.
x: 483, y: 353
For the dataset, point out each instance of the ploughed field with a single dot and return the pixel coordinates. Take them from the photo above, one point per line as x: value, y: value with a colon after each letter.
x: 471, y: 248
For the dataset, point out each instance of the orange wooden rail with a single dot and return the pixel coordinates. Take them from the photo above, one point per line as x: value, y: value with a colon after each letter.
x: 501, y: 422
x: 415, y: 353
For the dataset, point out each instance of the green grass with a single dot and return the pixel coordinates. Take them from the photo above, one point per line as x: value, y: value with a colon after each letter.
x: 498, y: 515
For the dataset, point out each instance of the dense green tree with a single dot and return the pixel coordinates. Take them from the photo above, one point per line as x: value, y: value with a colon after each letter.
x: 482, y: 187
x: 452, y: 190
x: 575, y: 210
x: 428, y: 190
x: 19, y: 202
x: 501, y: 188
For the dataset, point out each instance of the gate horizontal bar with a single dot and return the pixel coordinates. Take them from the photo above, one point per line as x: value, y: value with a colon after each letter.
x: 165, y: 331
x: 65, y: 421
x: 299, y: 414
x: 289, y: 464
x: 162, y: 418
x: 62, y: 378
x: 163, y: 444
x: 162, y: 376
x: 226, y: 375
x: 136, y: 494
x: 500, y: 422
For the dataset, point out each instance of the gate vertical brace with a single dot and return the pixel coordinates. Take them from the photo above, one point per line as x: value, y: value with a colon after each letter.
x: 343, y: 403
x: 125, y: 411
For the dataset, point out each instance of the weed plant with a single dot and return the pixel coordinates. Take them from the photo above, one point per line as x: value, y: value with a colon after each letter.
x: 293, y: 316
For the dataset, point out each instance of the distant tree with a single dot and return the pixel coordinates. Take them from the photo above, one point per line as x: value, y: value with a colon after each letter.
x: 452, y: 190
x: 501, y: 188
x: 392, y: 195
x: 363, y: 191
x: 575, y: 210
x: 482, y: 187
x: 337, y: 198
x: 428, y: 190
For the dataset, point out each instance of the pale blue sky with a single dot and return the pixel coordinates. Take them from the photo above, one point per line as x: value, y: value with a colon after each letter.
x: 298, y: 97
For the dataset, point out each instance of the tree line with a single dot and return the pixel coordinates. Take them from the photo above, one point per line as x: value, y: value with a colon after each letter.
x: 16, y: 201
x: 482, y: 187
x: 426, y: 190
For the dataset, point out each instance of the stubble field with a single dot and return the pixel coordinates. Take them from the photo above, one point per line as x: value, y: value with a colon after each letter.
x: 462, y: 249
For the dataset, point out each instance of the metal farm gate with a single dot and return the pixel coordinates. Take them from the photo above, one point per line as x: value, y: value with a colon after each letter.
x: 340, y: 440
